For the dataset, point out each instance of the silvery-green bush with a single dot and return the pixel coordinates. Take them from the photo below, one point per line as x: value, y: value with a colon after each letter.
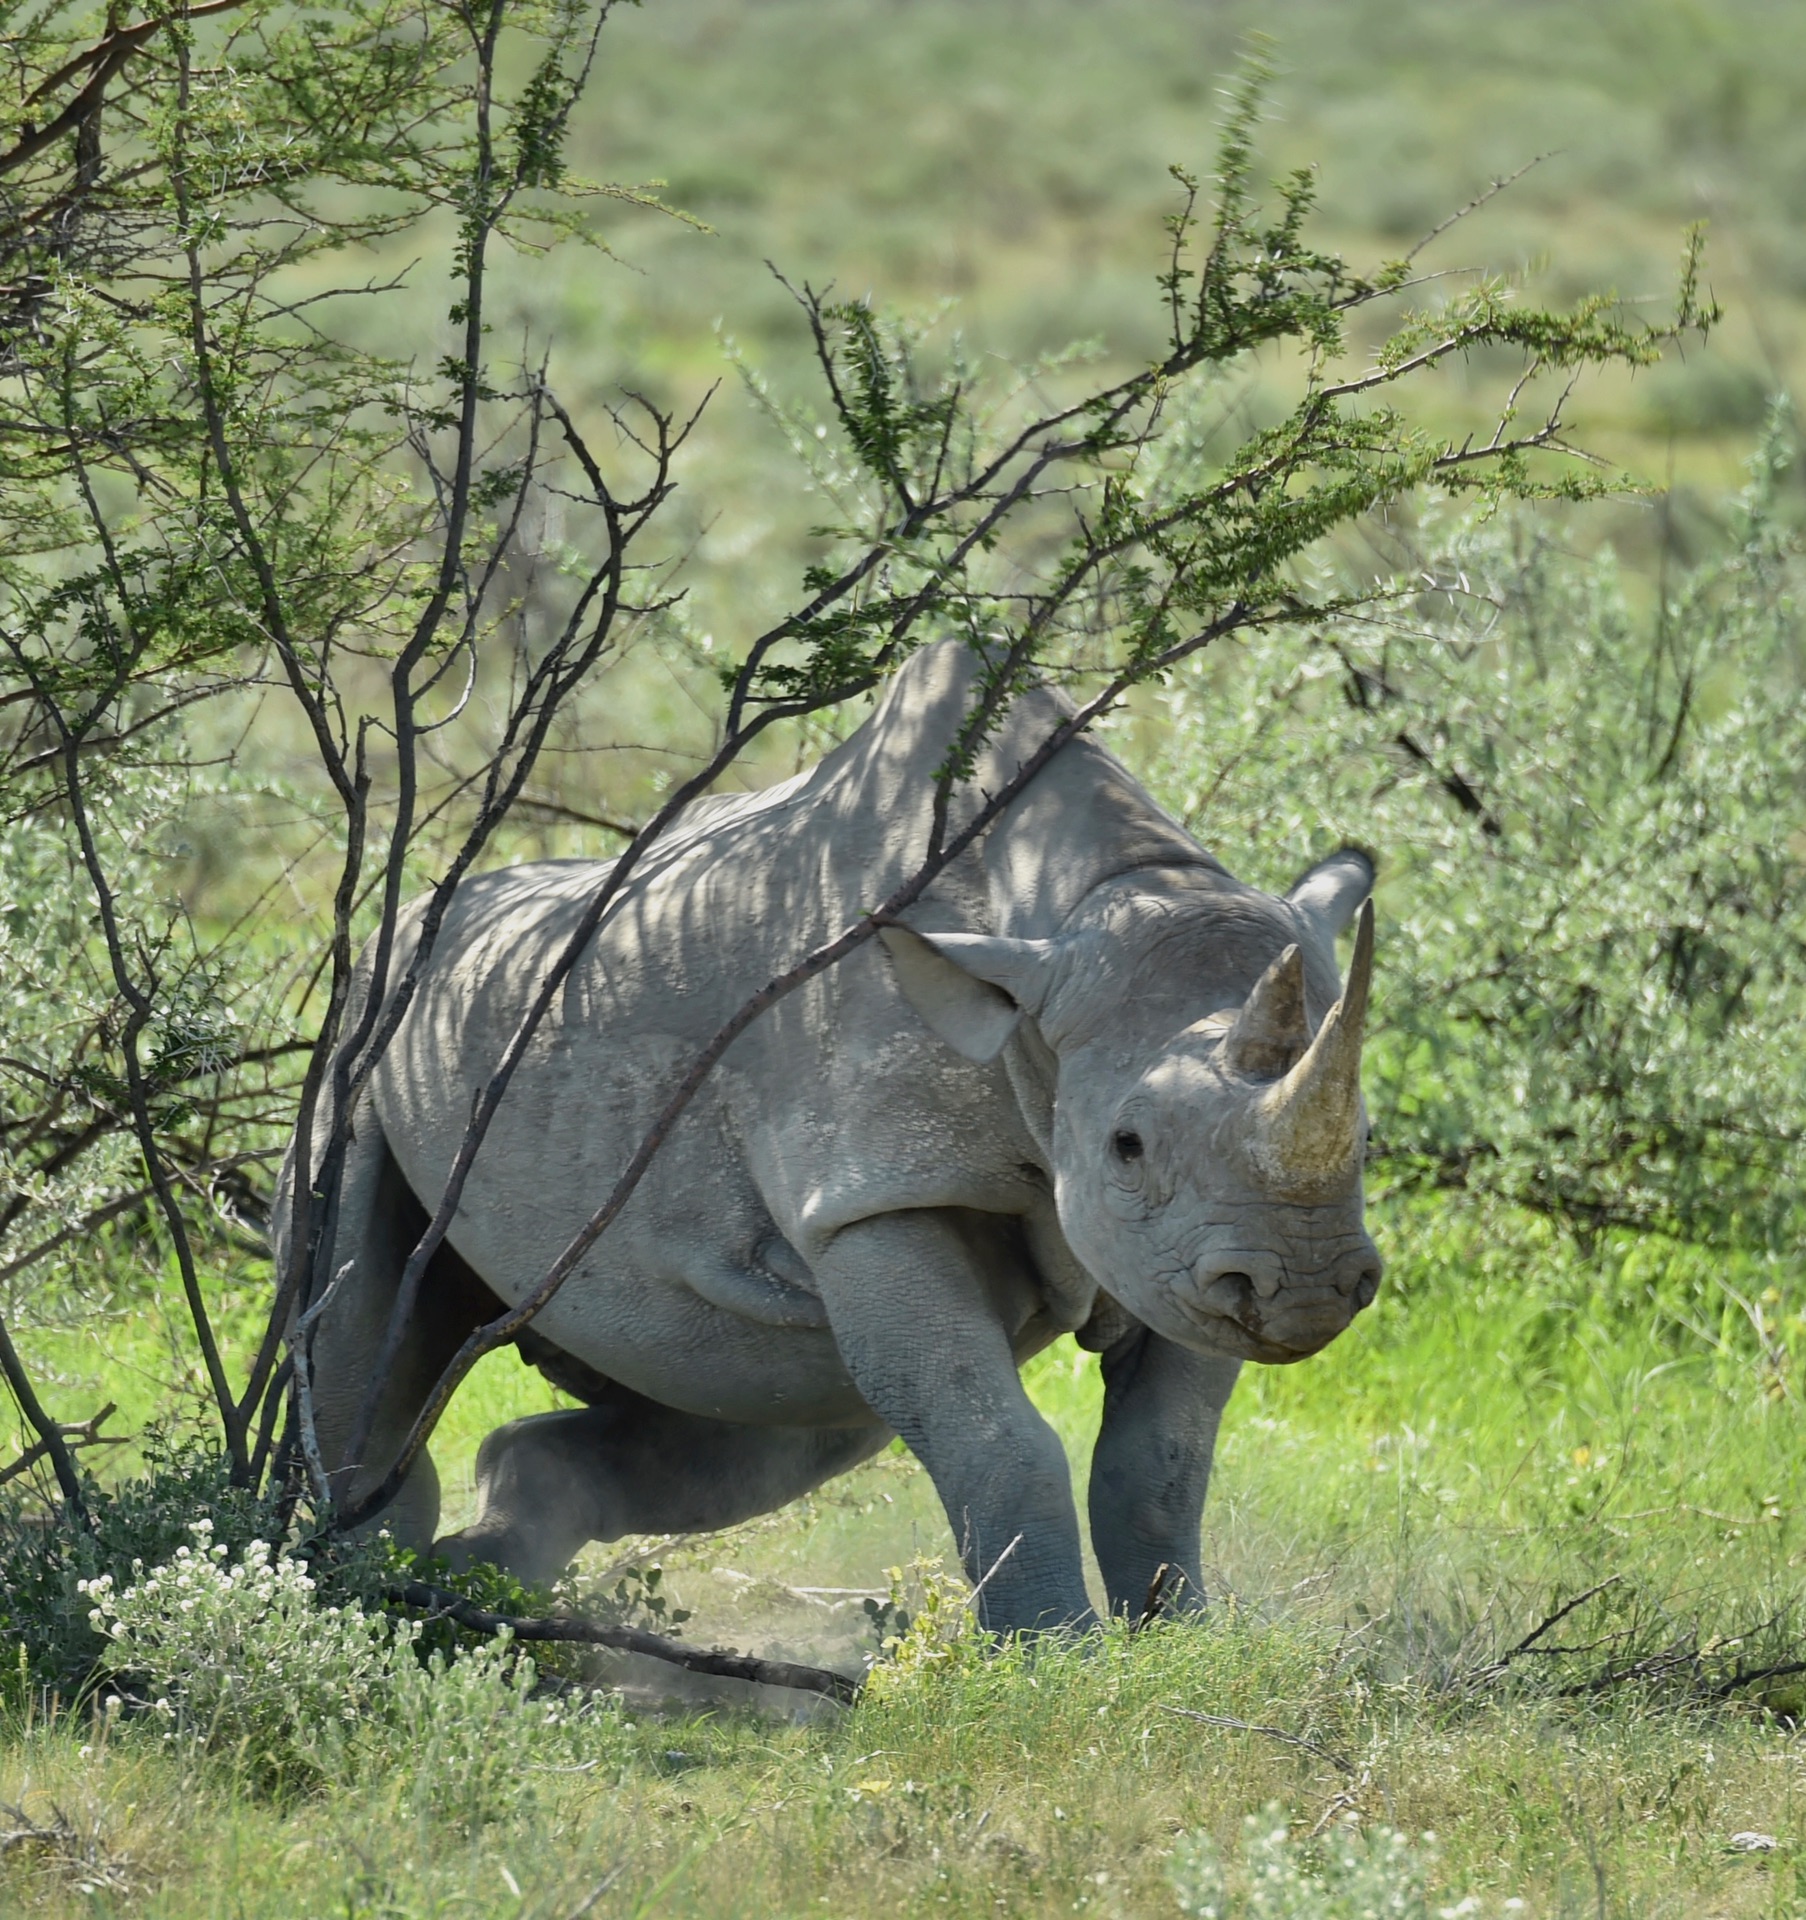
x: 238, y: 1658
x: 1375, y: 1873
x: 47, y: 1560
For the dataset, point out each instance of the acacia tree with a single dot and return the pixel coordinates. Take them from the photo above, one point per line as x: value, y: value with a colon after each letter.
x: 220, y: 501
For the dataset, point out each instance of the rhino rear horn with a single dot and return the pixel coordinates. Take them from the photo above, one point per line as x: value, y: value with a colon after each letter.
x: 1272, y: 1031
x: 1307, y: 1134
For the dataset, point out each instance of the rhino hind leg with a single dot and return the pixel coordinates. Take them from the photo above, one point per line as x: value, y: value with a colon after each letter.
x: 549, y: 1484
x: 380, y: 1221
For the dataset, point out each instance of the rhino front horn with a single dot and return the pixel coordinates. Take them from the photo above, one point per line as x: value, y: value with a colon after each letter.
x: 1307, y: 1133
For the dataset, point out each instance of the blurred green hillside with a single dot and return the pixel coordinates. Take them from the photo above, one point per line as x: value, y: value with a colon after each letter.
x: 1010, y: 156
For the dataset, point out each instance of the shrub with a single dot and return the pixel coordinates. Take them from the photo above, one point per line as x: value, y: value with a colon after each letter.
x: 1352, y: 1874
x: 938, y: 1633
x: 1593, y: 898
x: 48, y: 1559
x: 240, y: 1659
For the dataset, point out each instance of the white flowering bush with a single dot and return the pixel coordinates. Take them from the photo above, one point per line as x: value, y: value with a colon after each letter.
x: 241, y: 1660
x: 1374, y: 1873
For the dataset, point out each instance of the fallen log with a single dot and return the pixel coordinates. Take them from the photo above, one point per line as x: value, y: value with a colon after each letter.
x: 442, y: 1603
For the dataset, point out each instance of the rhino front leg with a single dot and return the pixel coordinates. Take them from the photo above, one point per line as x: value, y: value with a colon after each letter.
x: 1151, y: 1468
x: 923, y: 1305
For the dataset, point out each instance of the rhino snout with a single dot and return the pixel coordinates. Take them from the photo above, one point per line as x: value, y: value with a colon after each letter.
x: 1285, y: 1310
x: 1232, y: 1295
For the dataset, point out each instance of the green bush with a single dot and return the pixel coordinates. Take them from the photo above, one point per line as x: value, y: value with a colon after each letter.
x: 1587, y: 807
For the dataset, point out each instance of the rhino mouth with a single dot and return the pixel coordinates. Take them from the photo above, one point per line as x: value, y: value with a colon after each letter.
x: 1239, y: 1342
x: 1278, y: 1326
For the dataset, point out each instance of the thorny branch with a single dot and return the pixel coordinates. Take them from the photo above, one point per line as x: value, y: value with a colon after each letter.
x: 75, y: 1435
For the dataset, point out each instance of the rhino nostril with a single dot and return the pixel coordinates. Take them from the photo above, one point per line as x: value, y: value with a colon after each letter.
x: 1230, y: 1294
x: 1358, y: 1275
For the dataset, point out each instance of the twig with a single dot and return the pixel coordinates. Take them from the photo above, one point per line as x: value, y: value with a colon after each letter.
x: 1528, y: 1643
x: 1342, y: 1801
x: 1651, y: 1667
x: 107, y: 58
x: 557, y: 810
x: 1272, y: 1733
x: 50, y: 1435
x: 301, y: 1358
x: 86, y: 1225
x: 597, y: 1891
x: 86, y: 1434
x: 1163, y: 1578
x: 1479, y: 200
x: 972, y: 1597
x: 59, y: 1841
x: 572, y: 1628
x: 1728, y: 1687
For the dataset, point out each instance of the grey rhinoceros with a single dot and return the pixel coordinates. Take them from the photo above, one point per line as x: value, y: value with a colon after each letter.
x: 1099, y: 1086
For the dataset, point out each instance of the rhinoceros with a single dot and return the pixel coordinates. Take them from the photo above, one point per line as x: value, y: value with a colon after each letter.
x: 1095, y: 1085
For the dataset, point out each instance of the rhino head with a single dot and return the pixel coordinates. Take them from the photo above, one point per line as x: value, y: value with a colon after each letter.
x: 1205, y: 1131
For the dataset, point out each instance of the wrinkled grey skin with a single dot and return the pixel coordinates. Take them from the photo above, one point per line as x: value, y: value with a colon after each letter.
x: 900, y: 1183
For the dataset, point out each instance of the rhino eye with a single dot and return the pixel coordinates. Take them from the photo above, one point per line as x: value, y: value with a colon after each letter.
x: 1127, y: 1145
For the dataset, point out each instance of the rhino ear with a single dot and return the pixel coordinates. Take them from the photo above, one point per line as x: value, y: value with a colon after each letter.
x: 970, y: 988
x: 1333, y: 889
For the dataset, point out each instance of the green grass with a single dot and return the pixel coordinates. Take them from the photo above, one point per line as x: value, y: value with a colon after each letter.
x: 1041, y: 1788
x: 1509, y: 1426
